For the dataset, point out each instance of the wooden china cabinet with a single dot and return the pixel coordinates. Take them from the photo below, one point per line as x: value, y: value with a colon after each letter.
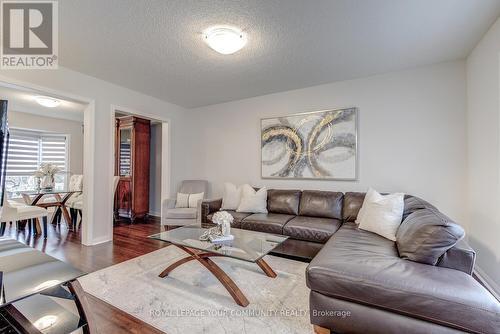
x: 132, y: 167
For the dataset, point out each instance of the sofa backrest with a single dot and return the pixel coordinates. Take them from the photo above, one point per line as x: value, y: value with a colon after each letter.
x: 352, y: 204
x: 354, y: 200
x: 313, y: 203
x: 326, y: 204
x: 329, y: 204
x: 283, y: 201
x: 413, y: 204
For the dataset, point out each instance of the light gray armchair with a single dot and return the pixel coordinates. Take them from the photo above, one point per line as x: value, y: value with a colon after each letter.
x: 170, y: 215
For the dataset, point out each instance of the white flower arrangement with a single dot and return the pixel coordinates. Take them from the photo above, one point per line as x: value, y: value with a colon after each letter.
x: 47, y: 169
x: 222, y: 217
x: 222, y: 232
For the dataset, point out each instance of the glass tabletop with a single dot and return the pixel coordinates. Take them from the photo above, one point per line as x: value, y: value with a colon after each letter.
x: 25, y: 271
x: 58, y: 313
x: 56, y: 190
x: 247, y: 245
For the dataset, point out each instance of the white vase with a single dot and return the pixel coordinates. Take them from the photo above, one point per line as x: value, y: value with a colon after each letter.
x: 47, y: 182
x: 226, y: 229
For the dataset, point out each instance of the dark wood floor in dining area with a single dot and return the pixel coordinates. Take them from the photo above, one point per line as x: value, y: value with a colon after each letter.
x: 129, y: 241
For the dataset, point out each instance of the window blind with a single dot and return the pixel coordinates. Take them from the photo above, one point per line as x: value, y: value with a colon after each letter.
x: 53, y: 150
x: 23, y: 153
x: 28, y: 149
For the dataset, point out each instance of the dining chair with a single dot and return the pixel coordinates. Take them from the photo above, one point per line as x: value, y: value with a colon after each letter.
x: 76, y: 207
x: 13, y: 211
x: 75, y: 202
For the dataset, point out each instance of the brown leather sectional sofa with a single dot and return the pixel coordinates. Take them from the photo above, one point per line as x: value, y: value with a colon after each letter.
x: 363, y: 283
x: 310, y: 218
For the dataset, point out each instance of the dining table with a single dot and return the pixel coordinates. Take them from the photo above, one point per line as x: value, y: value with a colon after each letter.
x: 56, y: 197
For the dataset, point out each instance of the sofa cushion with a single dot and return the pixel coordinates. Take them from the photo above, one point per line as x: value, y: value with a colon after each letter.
x: 381, y: 214
x: 459, y: 257
x: 326, y: 204
x: 253, y: 201
x: 182, y: 200
x: 283, y: 201
x: 413, y: 204
x: 181, y: 213
x: 231, y: 197
x: 362, y: 267
x: 238, y: 217
x: 352, y: 204
x: 266, y: 222
x: 311, y: 228
x: 426, y: 234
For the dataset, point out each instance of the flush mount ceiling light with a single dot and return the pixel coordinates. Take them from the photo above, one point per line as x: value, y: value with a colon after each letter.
x: 47, y: 101
x: 225, y: 40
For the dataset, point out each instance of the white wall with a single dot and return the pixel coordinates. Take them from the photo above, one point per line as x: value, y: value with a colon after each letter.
x: 483, y: 121
x: 105, y: 95
x: 411, y: 134
x: 21, y: 120
x: 155, y: 170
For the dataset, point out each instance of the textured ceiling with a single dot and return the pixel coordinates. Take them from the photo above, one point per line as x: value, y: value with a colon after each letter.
x: 156, y: 46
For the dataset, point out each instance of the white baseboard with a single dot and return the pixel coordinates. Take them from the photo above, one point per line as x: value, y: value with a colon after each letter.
x: 155, y: 214
x: 488, y: 282
x: 98, y: 241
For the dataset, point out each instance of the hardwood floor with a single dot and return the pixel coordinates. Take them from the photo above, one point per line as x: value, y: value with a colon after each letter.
x: 129, y: 241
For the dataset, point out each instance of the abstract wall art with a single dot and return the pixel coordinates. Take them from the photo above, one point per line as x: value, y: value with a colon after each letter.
x: 314, y: 145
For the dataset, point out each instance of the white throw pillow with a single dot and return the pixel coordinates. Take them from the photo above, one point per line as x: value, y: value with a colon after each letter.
x: 253, y: 201
x: 231, y: 197
x: 194, y: 198
x: 369, y: 197
x: 381, y: 214
x: 182, y: 200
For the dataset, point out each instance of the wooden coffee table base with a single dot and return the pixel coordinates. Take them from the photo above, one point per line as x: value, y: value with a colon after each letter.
x: 226, y: 281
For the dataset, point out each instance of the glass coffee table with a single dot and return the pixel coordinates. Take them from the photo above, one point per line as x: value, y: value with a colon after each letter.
x: 250, y: 246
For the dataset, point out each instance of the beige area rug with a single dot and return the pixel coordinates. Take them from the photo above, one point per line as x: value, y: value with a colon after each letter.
x: 192, y: 300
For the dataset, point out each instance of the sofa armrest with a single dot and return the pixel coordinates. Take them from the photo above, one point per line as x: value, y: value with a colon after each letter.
x: 460, y: 257
x: 168, y: 203
x: 208, y: 207
x: 199, y: 211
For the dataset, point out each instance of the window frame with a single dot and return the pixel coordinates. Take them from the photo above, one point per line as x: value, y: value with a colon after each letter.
x: 38, y: 136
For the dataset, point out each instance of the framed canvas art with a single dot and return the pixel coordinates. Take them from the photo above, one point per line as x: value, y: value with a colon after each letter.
x: 313, y: 145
